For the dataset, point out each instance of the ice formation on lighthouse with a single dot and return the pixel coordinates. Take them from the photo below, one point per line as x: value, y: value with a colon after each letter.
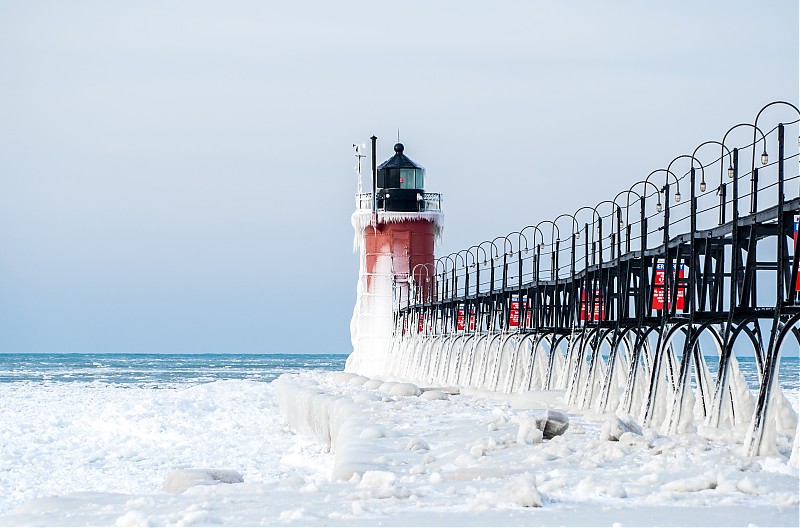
x: 372, y: 322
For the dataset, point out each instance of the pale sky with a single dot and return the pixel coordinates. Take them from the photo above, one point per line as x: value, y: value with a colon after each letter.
x: 178, y: 176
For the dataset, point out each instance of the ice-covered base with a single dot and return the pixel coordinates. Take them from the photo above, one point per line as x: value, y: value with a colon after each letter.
x: 372, y: 320
x: 356, y: 451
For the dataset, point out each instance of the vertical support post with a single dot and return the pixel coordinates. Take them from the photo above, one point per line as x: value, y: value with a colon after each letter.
x: 491, y: 277
x: 466, y: 283
x: 556, y: 249
x: 601, y: 312
x: 477, y: 276
x: 600, y: 237
x: 505, y: 269
x: 585, y: 295
x: 666, y: 218
x: 574, y: 298
x: 522, y: 306
x: 537, y: 309
x: 641, y: 299
x: 374, y: 140
x: 781, y: 249
x: 455, y: 281
x: 627, y: 238
x: 692, y: 243
x: 734, y: 302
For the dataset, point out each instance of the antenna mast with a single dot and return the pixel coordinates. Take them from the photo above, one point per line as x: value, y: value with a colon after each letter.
x: 359, y: 149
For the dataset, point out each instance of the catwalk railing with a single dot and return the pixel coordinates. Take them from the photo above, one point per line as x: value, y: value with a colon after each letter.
x: 425, y: 202
x: 621, y: 310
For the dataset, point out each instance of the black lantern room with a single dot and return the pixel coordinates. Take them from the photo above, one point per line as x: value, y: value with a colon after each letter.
x: 401, y: 183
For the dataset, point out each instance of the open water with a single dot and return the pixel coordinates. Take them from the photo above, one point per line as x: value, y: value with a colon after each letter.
x: 158, y: 370
x: 152, y: 370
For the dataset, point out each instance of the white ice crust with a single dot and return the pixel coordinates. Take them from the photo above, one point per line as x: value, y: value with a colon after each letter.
x: 492, y: 452
x: 372, y: 320
x: 336, y: 449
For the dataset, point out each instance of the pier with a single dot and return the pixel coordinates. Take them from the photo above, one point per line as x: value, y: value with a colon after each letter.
x: 620, y: 303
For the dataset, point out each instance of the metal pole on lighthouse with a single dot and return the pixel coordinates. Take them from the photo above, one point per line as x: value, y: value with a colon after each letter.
x: 374, y: 140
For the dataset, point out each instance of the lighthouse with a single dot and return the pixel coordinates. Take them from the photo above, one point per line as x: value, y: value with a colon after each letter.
x: 396, y: 227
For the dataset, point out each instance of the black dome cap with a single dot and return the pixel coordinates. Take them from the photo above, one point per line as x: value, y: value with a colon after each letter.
x: 399, y: 160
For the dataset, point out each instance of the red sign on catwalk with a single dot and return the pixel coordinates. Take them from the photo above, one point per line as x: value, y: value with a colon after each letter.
x: 460, y: 318
x: 513, y: 313
x: 472, y: 318
x: 797, y: 279
x: 421, y: 323
x: 659, y: 286
x: 592, y: 307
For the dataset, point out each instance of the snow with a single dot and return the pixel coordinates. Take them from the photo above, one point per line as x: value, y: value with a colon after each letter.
x: 183, y: 479
x: 314, y: 449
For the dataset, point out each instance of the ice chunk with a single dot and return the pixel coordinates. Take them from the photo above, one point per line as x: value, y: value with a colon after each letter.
x: 374, y: 431
x: 417, y: 444
x: 387, y: 386
x: 341, y: 377
x: 434, y: 395
x: 529, y: 431
x: 377, y: 479
x: 183, y: 479
x: 523, y: 492
x: 373, y: 384
x: 357, y: 381
x: 692, y: 484
x: 617, y: 425
x: 404, y: 389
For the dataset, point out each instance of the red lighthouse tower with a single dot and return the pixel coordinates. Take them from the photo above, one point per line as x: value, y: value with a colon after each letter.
x: 396, y: 227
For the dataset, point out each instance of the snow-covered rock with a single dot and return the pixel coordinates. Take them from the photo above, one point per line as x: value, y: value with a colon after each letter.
x: 552, y: 423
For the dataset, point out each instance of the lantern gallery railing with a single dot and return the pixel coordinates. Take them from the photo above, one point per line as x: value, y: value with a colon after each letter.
x: 425, y: 201
x: 620, y: 303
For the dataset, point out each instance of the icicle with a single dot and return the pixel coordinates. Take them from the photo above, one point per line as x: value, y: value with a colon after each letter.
x: 559, y: 362
x: 785, y: 415
x: 512, y: 358
x: 743, y: 405
x: 466, y: 372
x: 703, y: 377
x: 531, y: 375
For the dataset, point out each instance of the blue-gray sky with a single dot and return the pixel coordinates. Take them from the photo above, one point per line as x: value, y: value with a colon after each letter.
x: 177, y: 176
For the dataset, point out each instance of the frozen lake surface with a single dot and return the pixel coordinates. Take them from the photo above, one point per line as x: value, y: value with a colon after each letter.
x: 93, y: 439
